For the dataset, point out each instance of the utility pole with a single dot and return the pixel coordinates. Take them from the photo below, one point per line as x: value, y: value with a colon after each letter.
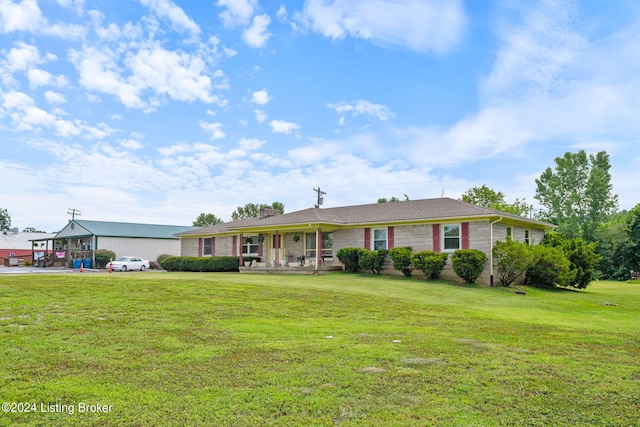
x: 320, y: 198
x: 73, y: 212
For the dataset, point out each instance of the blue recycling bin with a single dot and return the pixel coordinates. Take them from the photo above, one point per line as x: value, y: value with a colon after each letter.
x: 87, y: 263
x: 77, y: 263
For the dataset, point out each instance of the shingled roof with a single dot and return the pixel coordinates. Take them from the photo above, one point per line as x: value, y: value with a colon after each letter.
x: 370, y: 214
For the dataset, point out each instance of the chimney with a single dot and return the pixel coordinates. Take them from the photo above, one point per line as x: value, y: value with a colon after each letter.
x: 268, y: 212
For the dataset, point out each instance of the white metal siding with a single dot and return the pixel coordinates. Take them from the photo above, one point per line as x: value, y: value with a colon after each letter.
x: 143, y: 248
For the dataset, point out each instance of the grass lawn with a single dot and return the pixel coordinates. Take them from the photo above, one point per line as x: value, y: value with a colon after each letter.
x: 337, y: 349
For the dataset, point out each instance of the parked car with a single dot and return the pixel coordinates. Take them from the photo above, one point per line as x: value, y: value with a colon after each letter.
x: 128, y: 263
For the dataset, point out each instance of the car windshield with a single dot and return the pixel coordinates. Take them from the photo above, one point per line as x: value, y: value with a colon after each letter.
x: 124, y: 258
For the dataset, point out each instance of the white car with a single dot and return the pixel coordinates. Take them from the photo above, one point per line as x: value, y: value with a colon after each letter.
x: 128, y: 263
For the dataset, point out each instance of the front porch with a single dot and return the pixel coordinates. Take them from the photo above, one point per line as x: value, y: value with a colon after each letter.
x: 291, y: 267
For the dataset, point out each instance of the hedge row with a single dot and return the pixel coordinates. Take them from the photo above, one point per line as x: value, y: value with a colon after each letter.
x: 203, y: 264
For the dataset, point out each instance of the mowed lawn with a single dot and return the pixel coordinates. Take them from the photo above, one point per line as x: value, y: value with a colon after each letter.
x: 173, y: 349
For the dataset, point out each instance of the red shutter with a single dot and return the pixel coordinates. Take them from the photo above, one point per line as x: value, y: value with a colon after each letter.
x: 391, y: 236
x: 436, y: 237
x: 213, y: 246
x: 367, y: 238
x: 234, y: 245
x: 200, y: 246
x: 465, y: 235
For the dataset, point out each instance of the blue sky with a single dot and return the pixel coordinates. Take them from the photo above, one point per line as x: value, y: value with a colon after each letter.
x: 156, y: 110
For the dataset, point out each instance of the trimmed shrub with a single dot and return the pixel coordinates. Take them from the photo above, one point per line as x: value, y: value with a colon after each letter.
x: 103, y: 256
x: 349, y: 257
x: 468, y: 264
x: 162, y: 257
x: 429, y: 262
x: 511, y: 259
x: 401, y: 258
x: 203, y: 264
x: 372, y: 260
x: 582, y: 257
x: 550, y: 268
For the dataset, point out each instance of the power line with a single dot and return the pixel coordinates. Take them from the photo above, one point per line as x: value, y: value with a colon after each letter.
x: 73, y: 212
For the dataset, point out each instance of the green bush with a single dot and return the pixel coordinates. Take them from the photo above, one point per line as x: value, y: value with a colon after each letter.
x: 468, y: 264
x: 550, y: 268
x: 203, y: 264
x: 349, y: 258
x: 582, y: 256
x: 372, y: 260
x: 511, y: 259
x: 103, y: 256
x: 401, y: 258
x: 429, y: 262
x: 162, y: 257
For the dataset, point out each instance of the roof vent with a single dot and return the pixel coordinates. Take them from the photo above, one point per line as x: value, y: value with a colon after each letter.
x: 15, y: 230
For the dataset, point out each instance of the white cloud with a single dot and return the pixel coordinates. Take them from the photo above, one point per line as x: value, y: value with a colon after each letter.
x: 54, y: 97
x: 22, y: 57
x: 280, y: 126
x: 261, y: 116
x: 238, y: 12
x: 282, y: 14
x: 363, y: 107
x: 420, y: 25
x: 251, y: 143
x: 260, y: 97
x: 131, y: 144
x: 257, y: 35
x: 39, y: 77
x: 179, y: 20
x: 214, y: 129
x: 22, y: 16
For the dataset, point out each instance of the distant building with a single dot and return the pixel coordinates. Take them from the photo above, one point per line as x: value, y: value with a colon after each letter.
x: 16, y: 248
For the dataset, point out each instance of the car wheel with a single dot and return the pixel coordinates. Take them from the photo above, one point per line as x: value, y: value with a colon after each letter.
x: 123, y: 268
x: 142, y: 268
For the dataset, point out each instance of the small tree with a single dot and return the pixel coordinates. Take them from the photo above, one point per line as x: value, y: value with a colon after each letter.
x: 429, y: 262
x: 468, y: 264
x: 5, y: 220
x: 550, y: 268
x: 582, y: 256
x: 103, y: 256
x: 511, y: 259
x: 349, y: 257
x: 401, y: 258
x: 205, y: 220
x: 372, y: 260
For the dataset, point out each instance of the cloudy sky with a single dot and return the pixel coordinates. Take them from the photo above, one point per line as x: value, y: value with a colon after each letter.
x: 157, y: 110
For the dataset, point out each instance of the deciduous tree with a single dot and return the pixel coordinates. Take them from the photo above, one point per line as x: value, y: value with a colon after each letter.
x: 205, y: 220
x: 5, y: 220
x: 489, y: 198
x: 252, y: 210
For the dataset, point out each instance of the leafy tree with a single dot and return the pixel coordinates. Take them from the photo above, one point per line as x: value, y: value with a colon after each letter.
x: 252, y: 210
x: 391, y: 199
x: 31, y: 230
x: 613, y: 241
x: 511, y: 259
x: 5, y: 220
x: 489, y: 198
x: 549, y: 268
x: 205, y: 220
x: 632, y: 249
x: 582, y: 256
x: 578, y: 195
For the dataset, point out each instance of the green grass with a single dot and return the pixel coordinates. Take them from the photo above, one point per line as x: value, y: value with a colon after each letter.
x: 253, y: 350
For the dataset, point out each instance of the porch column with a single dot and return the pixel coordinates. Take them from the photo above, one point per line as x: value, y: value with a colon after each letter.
x: 319, y: 247
x: 241, y: 248
x: 276, y: 243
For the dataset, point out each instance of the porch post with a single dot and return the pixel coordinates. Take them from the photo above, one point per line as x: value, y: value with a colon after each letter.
x: 319, y: 247
x: 276, y: 243
x: 241, y: 248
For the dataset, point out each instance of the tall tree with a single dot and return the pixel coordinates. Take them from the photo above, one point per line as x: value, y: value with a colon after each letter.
x: 578, y: 195
x: 392, y: 199
x: 252, y: 210
x: 205, y: 220
x: 489, y: 198
x: 632, y: 250
x: 5, y: 220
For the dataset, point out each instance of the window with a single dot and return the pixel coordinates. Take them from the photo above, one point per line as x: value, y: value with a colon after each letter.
x: 206, y: 246
x: 327, y: 245
x: 250, y: 245
x: 509, y: 233
x: 451, y: 234
x: 526, y: 236
x: 310, y: 245
x: 379, y: 239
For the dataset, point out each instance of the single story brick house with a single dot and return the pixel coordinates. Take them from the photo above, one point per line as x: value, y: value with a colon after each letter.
x: 316, y: 234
